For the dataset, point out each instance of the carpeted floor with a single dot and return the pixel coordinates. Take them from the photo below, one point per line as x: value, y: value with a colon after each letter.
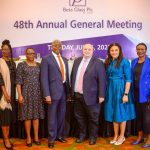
x: 102, y: 144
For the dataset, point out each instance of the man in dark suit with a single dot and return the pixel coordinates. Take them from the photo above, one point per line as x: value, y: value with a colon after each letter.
x: 54, y: 82
x: 88, y: 87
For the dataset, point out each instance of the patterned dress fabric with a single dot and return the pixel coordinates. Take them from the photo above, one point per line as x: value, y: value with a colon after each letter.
x: 29, y: 79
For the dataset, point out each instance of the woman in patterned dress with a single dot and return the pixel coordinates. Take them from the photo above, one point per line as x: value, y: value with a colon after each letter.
x: 29, y: 95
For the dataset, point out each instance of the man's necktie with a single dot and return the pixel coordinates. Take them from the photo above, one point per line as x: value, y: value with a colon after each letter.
x: 81, y: 74
x: 61, y: 67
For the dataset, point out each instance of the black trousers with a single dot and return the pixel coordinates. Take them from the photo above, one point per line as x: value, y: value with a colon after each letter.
x: 143, y: 117
x: 142, y: 114
x: 87, y: 117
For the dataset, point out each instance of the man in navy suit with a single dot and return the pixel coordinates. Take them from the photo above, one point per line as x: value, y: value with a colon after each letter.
x: 88, y: 87
x: 54, y: 82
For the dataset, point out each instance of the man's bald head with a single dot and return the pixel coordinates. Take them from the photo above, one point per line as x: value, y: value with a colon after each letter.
x: 88, y: 50
x: 56, y: 46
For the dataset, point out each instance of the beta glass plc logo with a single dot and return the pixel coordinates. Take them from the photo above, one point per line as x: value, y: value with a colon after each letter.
x: 77, y: 2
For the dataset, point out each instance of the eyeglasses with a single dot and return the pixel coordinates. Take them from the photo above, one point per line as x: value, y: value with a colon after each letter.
x: 30, y: 53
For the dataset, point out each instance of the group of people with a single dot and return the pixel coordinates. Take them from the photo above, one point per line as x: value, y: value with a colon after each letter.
x: 30, y: 104
x: 123, y: 88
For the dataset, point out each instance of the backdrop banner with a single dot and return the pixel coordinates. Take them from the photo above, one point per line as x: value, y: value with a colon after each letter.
x: 36, y: 23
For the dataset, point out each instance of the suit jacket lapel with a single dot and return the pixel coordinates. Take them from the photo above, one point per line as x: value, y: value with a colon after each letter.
x: 55, y: 62
x: 89, y: 65
x: 145, y: 65
x: 77, y: 66
x: 135, y: 63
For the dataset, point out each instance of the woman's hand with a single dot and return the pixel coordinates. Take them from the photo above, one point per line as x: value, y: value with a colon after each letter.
x: 7, y: 98
x: 20, y: 99
x: 125, y: 99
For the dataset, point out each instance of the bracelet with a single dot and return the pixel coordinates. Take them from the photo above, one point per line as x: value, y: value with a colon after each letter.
x: 126, y: 94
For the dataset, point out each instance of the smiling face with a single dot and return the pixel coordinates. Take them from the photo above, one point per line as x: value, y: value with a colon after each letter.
x: 114, y: 52
x: 6, y: 51
x: 141, y: 51
x: 30, y: 54
x: 56, y: 46
x: 87, y: 50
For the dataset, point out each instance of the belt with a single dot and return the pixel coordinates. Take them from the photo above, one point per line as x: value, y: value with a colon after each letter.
x: 113, y: 78
x: 78, y: 94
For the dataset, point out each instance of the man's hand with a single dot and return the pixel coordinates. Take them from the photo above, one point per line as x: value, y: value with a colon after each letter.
x: 69, y: 98
x: 101, y: 99
x: 48, y: 100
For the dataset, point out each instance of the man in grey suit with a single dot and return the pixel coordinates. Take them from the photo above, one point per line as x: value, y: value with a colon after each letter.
x: 88, y: 87
x: 55, y: 85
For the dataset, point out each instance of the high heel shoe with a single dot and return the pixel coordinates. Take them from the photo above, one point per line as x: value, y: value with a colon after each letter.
x: 29, y: 144
x: 120, y: 142
x: 145, y: 145
x: 113, y: 141
x: 9, y: 148
x: 138, y: 142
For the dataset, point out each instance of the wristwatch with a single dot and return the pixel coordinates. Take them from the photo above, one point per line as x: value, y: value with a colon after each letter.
x: 126, y: 94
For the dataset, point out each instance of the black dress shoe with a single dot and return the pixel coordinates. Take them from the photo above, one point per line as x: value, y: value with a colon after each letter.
x: 37, y: 142
x: 29, y: 144
x: 79, y: 140
x: 92, y: 141
x: 62, y: 140
x: 50, y: 145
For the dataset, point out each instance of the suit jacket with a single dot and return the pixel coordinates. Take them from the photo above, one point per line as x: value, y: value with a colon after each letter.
x: 94, y: 80
x: 144, y: 85
x: 51, y: 78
